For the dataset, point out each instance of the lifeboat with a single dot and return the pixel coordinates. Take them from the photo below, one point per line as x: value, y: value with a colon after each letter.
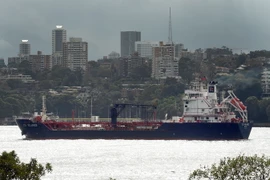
x: 237, y: 103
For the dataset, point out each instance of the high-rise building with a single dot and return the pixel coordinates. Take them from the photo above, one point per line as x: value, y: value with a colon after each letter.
x: 59, y: 36
x: 144, y: 48
x: 265, y: 82
x: 40, y: 62
x: 128, y: 39
x: 17, y: 60
x: 178, y: 50
x: 164, y: 63
x: 75, y: 54
x: 25, y: 48
x: 2, y: 63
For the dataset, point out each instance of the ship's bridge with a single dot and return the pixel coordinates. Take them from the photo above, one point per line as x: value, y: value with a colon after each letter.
x: 191, y: 94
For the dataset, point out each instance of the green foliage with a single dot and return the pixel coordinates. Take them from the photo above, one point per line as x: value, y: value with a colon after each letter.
x: 15, y: 83
x: 150, y: 92
x: 261, y: 53
x: 25, y: 68
x: 268, y: 112
x: 172, y: 88
x: 12, y: 65
x: 263, y: 104
x: 240, y: 60
x: 63, y: 104
x: 186, y: 69
x: 240, y: 167
x: 245, y: 89
x: 252, y: 104
x: 6, y: 109
x: 108, y: 81
x: 46, y: 84
x: 13, y: 104
x: 12, y: 168
x: 218, y: 51
x: 170, y: 106
x: 141, y: 72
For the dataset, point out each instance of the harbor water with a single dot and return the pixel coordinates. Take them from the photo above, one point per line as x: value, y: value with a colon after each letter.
x: 129, y: 159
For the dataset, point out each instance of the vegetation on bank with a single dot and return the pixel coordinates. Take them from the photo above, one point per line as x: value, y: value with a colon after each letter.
x: 12, y: 168
x: 240, y: 167
x: 106, y: 84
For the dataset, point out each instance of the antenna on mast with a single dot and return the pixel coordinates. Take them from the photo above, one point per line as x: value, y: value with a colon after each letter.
x: 170, y: 28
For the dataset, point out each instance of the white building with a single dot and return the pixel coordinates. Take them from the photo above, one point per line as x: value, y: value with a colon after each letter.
x: 59, y: 35
x: 23, y: 78
x: 144, y: 48
x: 265, y: 82
x: 164, y: 63
x: 25, y: 48
x: 75, y: 54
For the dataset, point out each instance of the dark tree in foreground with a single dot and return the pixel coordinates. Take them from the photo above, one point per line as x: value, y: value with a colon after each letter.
x: 241, y: 167
x: 12, y: 168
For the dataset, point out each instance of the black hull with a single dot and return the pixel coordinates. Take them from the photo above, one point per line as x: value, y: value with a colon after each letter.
x: 185, y: 131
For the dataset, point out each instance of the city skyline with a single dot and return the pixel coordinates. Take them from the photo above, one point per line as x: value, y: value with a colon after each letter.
x: 196, y: 24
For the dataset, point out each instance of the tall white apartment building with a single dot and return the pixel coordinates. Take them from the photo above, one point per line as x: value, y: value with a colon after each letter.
x: 75, y: 54
x: 164, y: 63
x: 59, y: 36
x: 265, y: 82
x: 144, y: 48
x: 25, y: 48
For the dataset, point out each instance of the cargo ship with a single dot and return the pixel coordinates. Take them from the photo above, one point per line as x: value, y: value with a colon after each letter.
x: 205, y: 117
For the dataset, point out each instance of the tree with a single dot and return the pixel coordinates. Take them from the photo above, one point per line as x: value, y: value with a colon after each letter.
x: 12, y: 65
x: 263, y: 104
x: 141, y: 72
x: 268, y: 112
x: 186, y: 69
x: 15, y: 83
x: 12, y: 168
x: 240, y: 167
x: 252, y: 103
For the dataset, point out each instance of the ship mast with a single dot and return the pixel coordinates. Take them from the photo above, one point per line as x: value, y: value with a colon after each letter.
x: 44, y: 109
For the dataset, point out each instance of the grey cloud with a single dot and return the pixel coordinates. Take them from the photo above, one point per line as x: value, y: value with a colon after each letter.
x: 4, y: 44
x: 196, y: 23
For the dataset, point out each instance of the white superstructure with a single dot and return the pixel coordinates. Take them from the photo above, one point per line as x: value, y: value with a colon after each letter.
x: 201, y: 104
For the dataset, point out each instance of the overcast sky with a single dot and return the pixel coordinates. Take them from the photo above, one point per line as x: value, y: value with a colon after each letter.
x: 195, y: 23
